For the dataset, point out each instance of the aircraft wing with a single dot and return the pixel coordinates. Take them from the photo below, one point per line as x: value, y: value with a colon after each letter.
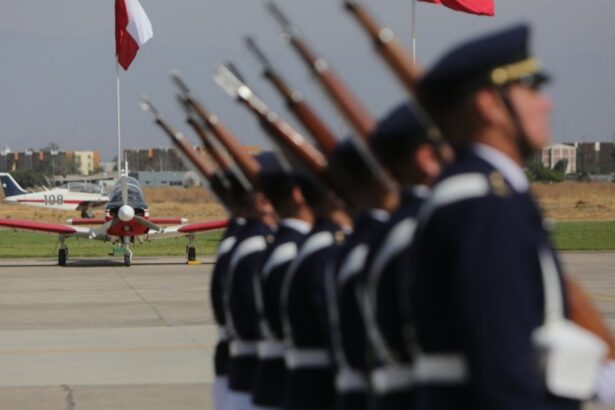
x: 92, y: 204
x: 65, y: 230
x: 188, y: 229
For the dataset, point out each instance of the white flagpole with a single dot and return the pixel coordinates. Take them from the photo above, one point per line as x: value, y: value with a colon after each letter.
x: 414, y: 30
x: 117, y: 103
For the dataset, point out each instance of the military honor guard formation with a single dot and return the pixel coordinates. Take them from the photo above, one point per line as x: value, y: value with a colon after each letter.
x: 407, y: 265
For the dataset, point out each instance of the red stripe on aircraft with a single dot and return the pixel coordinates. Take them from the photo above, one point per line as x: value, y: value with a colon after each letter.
x: 36, y: 226
x: 40, y: 201
x: 204, y: 226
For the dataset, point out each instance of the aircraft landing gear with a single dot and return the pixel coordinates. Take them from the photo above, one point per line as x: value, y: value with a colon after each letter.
x: 62, y: 253
x: 87, y: 213
x: 191, y: 251
x: 127, y: 259
x: 127, y: 252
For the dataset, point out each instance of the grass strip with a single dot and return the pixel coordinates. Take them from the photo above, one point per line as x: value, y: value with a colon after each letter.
x: 567, y: 236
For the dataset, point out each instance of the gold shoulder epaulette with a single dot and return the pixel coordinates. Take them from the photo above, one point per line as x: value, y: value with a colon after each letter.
x: 498, y: 184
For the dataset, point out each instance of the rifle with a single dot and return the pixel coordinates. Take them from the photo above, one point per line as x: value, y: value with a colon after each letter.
x: 223, y: 162
x: 294, y: 142
x: 186, y: 149
x: 295, y: 102
x: 393, y: 52
x: 398, y: 59
x: 354, y: 112
x: 245, y: 161
x: 279, y: 130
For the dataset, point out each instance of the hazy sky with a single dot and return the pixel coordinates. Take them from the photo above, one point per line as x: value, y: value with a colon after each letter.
x: 57, y: 70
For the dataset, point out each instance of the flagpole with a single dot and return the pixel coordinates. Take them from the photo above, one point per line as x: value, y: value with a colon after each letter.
x: 414, y: 30
x: 117, y: 104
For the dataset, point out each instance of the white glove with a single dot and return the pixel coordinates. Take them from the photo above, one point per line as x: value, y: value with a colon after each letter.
x: 605, y: 387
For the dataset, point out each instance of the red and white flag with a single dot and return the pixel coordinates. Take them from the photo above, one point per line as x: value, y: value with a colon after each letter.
x: 480, y: 7
x: 132, y: 30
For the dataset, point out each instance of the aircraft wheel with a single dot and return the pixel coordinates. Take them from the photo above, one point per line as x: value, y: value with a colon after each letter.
x: 62, y: 256
x: 127, y: 260
x: 191, y: 254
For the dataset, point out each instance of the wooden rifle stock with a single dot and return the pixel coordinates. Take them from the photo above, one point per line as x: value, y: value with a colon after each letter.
x: 398, y: 59
x: 244, y: 160
x: 296, y: 103
x: 179, y: 141
x: 584, y: 313
x: 349, y: 105
x: 387, y: 45
x: 222, y: 161
x: 279, y: 130
x: 217, y: 156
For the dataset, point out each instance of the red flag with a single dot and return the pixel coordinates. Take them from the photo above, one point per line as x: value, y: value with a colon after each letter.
x: 481, y: 7
x: 132, y: 30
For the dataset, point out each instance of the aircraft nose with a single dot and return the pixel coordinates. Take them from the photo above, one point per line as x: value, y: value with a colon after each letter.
x: 126, y: 213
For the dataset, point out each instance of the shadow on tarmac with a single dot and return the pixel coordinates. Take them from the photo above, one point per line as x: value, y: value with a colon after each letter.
x: 98, y: 263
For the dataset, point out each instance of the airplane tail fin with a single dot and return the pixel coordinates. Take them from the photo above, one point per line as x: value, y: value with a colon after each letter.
x: 10, y: 186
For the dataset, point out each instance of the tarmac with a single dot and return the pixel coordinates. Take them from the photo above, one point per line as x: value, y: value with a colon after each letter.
x: 97, y: 335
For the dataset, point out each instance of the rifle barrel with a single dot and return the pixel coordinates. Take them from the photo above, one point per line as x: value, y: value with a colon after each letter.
x: 348, y: 104
x: 248, y: 165
x: 295, y: 102
x: 387, y: 45
x: 280, y: 131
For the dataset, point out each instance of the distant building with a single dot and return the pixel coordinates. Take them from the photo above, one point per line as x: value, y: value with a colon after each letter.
x: 595, y: 157
x: 167, y: 159
x: 50, y: 162
x: 107, y: 166
x: 165, y: 178
x: 154, y: 159
x: 552, y: 154
x: 87, y: 161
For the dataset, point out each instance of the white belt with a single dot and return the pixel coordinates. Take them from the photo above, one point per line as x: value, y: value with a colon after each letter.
x: 271, y: 349
x: 441, y: 369
x: 242, y: 348
x: 392, y: 378
x: 222, y: 334
x: 349, y: 380
x: 307, y: 358
x: 432, y: 369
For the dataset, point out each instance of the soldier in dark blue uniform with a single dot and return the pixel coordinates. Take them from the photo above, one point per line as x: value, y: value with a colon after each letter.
x: 484, y: 267
x: 414, y: 155
x: 373, y: 197
x: 229, y: 238
x: 239, y: 297
x: 283, y: 187
x: 305, y: 317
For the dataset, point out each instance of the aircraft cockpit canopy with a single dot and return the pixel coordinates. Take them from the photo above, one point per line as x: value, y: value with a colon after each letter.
x: 83, y: 187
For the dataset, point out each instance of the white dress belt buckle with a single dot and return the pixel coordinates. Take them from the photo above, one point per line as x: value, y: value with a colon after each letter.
x: 241, y: 348
x: 392, y: 378
x: 307, y: 358
x: 349, y: 380
x: 271, y: 349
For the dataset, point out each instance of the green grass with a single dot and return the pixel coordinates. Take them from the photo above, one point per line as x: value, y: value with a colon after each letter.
x: 585, y: 236
x: 33, y: 245
x: 568, y: 236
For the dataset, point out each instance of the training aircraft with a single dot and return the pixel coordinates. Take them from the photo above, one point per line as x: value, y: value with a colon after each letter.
x: 69, y: 197
x: 127, y: 220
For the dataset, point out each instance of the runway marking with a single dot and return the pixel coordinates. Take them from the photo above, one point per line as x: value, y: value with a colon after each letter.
x: 606, y: 298
x: 151, y: 349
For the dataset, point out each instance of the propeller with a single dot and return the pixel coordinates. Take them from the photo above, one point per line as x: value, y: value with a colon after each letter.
x: 102, y: 230
x: 142, y: 221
